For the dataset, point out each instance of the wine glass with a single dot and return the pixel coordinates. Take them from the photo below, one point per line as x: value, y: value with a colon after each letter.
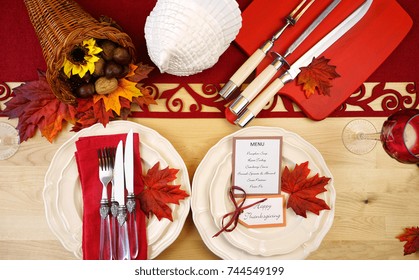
x: 9, y: 140
x: 399, y: 136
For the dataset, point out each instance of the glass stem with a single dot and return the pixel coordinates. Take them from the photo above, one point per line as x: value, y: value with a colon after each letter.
x: 370, y: 136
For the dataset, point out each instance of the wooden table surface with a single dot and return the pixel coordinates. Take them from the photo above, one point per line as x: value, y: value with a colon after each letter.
x: 376, y: 196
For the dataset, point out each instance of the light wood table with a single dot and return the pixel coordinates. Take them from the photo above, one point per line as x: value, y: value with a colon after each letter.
x: 376, y: 196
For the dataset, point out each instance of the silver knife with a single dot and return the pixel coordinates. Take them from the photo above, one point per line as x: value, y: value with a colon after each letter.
x: 129, y: 183
x: 264, y: 97
x: 123, y: 241
x: 253, y: 89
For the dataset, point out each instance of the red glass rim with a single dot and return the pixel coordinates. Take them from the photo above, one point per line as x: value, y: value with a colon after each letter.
x: 416, y: 129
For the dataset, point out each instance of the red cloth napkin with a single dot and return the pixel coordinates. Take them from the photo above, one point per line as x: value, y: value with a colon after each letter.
x: 88, y: 167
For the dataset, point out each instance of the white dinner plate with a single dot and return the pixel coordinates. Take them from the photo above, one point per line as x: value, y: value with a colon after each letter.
x: 63, y: 197
x: 208, y: 224
x: 270, y: 240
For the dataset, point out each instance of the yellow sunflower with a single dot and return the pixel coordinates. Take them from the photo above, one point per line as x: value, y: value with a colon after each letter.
x: 82, y: 58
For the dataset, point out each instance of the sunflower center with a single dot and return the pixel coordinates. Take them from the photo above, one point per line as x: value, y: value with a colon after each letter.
x: 77, y: 54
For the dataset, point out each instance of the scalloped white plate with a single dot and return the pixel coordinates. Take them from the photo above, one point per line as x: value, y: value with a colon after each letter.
x: 62, y: 191
x: 271, y: 240
x: 203, y: 201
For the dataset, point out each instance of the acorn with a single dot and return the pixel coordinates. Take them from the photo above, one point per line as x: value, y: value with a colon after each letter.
x: 86, y: 90
x: 121, y: 56
x: 108, y: 48
x: 125, y: 71
x: 104, y: 85
x: 113, y: 69
x: 86, y: 78
x: 99, y: 68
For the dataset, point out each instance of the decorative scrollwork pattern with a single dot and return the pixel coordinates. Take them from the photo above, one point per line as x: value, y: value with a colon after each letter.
x: 203, y: 101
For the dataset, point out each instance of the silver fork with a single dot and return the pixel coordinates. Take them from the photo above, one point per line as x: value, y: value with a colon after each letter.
x: 105, y: 177
x: 114, y: 205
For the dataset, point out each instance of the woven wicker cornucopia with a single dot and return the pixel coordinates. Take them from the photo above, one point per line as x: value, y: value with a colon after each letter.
x: 62, y: 24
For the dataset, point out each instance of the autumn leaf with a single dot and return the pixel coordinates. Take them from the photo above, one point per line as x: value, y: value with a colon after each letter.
x: 126, y: 89
x: 411, y: 236
x: 37, y: 107
x: 303, y: 190
x: 158, y: 193
x: 138, y: 72
x: 145, y: 100
x: 318, y: 75
x: 90, y: 113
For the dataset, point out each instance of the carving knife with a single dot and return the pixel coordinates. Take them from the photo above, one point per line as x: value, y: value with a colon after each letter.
x: 269, y: 72
x: 129, y: 183
x: 123, y: 250
x: 263, y: 98
x: 253, y: 61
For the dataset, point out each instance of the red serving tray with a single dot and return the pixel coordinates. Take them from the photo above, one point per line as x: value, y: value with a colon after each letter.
x: 357, y: 54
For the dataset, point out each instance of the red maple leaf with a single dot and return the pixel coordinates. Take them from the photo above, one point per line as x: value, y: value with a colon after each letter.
x: 303, y: 190
x: 37, y: 107
x: 318, y: 75
x: 158, y: 193
x: 411, y: 236
x: 90, y: 113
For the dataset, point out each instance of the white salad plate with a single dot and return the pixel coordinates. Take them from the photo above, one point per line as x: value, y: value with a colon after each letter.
x: 63, y: 196
x: 210, y: 202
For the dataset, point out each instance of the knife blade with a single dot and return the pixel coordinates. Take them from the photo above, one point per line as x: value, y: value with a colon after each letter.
x: 123, y: 241
x: 253, y: 89
x: 118, y: 175
x: 264, y: 97
x: 129, y: 163
x: 129, y: 183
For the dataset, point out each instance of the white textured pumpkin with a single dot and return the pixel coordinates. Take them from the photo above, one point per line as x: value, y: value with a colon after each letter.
x: 185, y: 37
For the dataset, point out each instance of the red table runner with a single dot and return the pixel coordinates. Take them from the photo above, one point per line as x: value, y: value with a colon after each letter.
x: 393, y: 84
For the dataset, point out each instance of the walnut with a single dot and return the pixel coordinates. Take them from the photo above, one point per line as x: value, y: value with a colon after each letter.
x: 104, y: 85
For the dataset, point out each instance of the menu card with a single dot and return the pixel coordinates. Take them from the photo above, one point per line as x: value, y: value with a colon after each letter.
x: 257, y: 171
x: 257, y: 164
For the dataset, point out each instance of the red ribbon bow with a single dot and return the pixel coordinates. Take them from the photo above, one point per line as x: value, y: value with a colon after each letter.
x: 232, y: 223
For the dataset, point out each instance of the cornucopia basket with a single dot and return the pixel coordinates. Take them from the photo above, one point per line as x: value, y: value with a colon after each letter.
x: 62, y: 24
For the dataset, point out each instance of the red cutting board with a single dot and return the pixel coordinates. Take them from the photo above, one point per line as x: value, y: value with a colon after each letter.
x: 356, y: 55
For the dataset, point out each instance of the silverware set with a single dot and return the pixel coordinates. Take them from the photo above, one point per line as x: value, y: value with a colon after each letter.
x: 256, y: 58
x: 252, y: 100
x: 118, y: 227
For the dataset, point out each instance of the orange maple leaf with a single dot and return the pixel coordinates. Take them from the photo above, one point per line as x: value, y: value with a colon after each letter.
x: 318, y: 75
x: 126, y: 89
x: 411, y: 236
x: 303, y: 190
x: 37, y: 107
x: 158, y: 192
x: 145, y: 100
x: 138, y: 72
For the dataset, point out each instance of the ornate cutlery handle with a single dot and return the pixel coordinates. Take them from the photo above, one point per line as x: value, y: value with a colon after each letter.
x: 105, y: 245
x: 123, y: 239
x: 132, y: 226
x: 114, y: 227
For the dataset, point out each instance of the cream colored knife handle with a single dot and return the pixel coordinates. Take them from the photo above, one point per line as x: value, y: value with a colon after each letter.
x: 256, y: 86
x: 265, y: 96
x: 257, y: 105
x: 245, y: 70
